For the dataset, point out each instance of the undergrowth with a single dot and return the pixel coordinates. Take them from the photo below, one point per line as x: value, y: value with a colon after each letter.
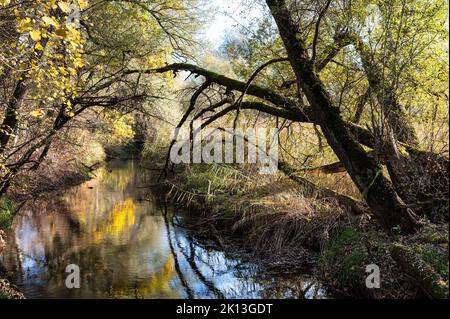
x: 274, y: 216
x: 349, y: 251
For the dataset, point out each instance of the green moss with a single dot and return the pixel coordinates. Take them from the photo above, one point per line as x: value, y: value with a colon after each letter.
x: 345, y: 257
x: 6, y: 213
x: 434, y: 256
x: 412, y: 261
x: 3, y: 296
x: 344, y: 260
x: 431, y: 245
x: 433, y: 235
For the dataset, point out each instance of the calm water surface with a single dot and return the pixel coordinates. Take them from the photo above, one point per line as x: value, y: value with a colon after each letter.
x: 126, y: 248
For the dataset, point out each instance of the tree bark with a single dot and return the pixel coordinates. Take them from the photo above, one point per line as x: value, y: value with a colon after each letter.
x: 393, y: 111
x: 390, y: 211
x: 283, y: 108
x: 10, y: 121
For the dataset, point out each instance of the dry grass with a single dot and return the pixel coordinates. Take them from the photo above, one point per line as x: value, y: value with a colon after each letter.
x: 339, y: 182
x: 286, y: 220
x: 274, y: 213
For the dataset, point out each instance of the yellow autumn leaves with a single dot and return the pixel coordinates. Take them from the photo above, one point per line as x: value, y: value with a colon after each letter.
x: 37, y: 113
x: 65, y: 6
x: 39, y: 46
x: 50, y: 21
x: 122, y: 128
x: 52, y: 74
x: 35, y: 35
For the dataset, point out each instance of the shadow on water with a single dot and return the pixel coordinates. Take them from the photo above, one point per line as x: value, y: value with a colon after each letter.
x: 127, y: 247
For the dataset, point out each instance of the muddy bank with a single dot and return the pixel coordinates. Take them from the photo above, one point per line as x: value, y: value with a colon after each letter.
x: 7, y: 290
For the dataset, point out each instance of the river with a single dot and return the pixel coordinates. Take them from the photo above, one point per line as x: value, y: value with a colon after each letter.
x: 125, y: 247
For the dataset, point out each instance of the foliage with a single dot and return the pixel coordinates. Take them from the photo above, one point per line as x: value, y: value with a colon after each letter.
x: 6, y: 212
x: 108, y: 73
x: 66, y: 65
x: 348, y: 254
x: 46, y: 52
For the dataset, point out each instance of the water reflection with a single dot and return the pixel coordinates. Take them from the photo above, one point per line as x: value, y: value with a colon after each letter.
x: 126, y: 247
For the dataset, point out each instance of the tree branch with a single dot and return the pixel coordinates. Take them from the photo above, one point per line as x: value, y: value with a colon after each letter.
x: 316, y: 33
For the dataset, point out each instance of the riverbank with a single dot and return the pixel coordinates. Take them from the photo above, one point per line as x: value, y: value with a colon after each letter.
x: 11, y: 203
x: 283, y: 227
x: 7, y: 290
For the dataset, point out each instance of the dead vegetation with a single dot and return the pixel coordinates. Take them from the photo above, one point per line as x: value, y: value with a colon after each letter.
x: 66, y: 164
x: 284, y: 220
x: 287, y: 226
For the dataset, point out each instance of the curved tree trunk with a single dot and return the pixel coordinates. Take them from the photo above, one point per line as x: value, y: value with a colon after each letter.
x: 390, y: 210
x: 417, y: 176
x: 10, y: 120
x: 393, y: 111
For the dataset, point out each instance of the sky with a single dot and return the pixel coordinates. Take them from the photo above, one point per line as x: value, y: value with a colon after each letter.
x: 229, y: 15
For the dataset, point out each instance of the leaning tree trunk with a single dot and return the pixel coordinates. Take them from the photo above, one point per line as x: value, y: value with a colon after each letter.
x: 394, y: 113
x: 390, y: 210
x: 418, y: 176
x: 10, y: 120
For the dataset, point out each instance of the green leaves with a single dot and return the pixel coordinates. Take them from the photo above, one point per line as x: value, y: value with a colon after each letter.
x: 37, y: 113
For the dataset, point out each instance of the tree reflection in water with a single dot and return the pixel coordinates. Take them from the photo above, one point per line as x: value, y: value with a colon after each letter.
x: 126, y: 247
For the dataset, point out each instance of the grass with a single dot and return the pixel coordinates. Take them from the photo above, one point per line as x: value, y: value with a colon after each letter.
x: 345, y: 257
x: 270, y: 212
x: 437, y: 260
